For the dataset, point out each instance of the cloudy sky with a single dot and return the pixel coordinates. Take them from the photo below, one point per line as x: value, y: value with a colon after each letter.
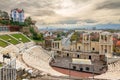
x: 80, y: 12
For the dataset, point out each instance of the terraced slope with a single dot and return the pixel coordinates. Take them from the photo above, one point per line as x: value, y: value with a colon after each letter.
x: 20, y: 36
x: 3, y: 44
x: 38, y: 58
x: 10, y: 39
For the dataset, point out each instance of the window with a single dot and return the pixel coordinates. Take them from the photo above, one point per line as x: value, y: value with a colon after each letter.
x: 74, y: 67
x: 102, y: 37
x: 93, y: 49
x: 15, y: 14
x: 58, y: 45
x: 20, y: 16
x: 81, y: 69
x: 87, y: 68
x: 89, y: 57
x: 105, y: 38
x: 53, y: 45
x: 78, y: 56
x: 79, y: 47
x: 67, y: 55
x: 105, y: 50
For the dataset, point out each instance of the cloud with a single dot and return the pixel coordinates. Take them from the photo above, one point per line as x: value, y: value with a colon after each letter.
x: 113, y: 4
x: 43, y: 13
x: 83, y: 12
x: 70, y: 21
x: 90, y: 21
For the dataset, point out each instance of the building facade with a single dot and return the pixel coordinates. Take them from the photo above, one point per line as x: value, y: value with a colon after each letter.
x: 56, y: 45
x: 106, y: 44
x: 103, y: 46
x: 4, y: 28
x: 86, y: 42
x: 17, y: 15
x: 92, y: 48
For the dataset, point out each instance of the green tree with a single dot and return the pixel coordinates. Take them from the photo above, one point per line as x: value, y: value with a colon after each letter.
x: 35, y: 35
x: 32, y: 30
x: 74, y: 37
x: 40, y: 36
x: 58, y: 35
x: 4, y: 14
x: 28, y: 21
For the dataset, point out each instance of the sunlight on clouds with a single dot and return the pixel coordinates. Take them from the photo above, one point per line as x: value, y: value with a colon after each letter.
x: 79, y: 12
x: 67, y: 9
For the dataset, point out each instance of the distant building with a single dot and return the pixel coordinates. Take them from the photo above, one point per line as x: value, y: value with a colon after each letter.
x: 17, y: 15
x: 14, y: 28
x: 106, y: 44
x: 48, y: 33
x: 48, y: 44
x: 94, y: 42
x: 4, y: 28
x: 118, y: 43
x: 9, y: 28
x: 57, y: 45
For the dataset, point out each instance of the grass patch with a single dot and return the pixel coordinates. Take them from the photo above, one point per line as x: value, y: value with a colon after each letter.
x: 10, y: 39
x: 1, y: 65
x: 3, y: 44
x: 37, y: 40
x: 23, y: 38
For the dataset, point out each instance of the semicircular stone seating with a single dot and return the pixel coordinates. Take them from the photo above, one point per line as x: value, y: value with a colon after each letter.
x: 113, y: 72
x: 38, y: 58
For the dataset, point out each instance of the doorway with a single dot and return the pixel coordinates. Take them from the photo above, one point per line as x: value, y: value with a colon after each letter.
x: 89, y: 57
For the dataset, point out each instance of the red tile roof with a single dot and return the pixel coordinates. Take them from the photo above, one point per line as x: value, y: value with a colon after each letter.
x: 19, y: 10
x: 114, y: 39
x: 118, y: 43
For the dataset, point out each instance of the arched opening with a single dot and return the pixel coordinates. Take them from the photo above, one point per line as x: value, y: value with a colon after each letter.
x: 87, y: 68
x: 78, y: 56
x: 79, y: 47
x: 93, y: 49
x: 67, y: 55
x: 81, y: 69
x: 89, y: 57
x: 74, y: 67
x: 105, y: 50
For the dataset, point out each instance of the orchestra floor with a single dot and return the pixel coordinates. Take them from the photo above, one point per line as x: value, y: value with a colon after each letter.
x: 74, y: 73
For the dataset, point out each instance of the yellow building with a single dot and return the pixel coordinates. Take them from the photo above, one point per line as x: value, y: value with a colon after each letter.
x: 94, y: 46
x: 106, y: 44
x: 103, y: 46
x: 57, y: 45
